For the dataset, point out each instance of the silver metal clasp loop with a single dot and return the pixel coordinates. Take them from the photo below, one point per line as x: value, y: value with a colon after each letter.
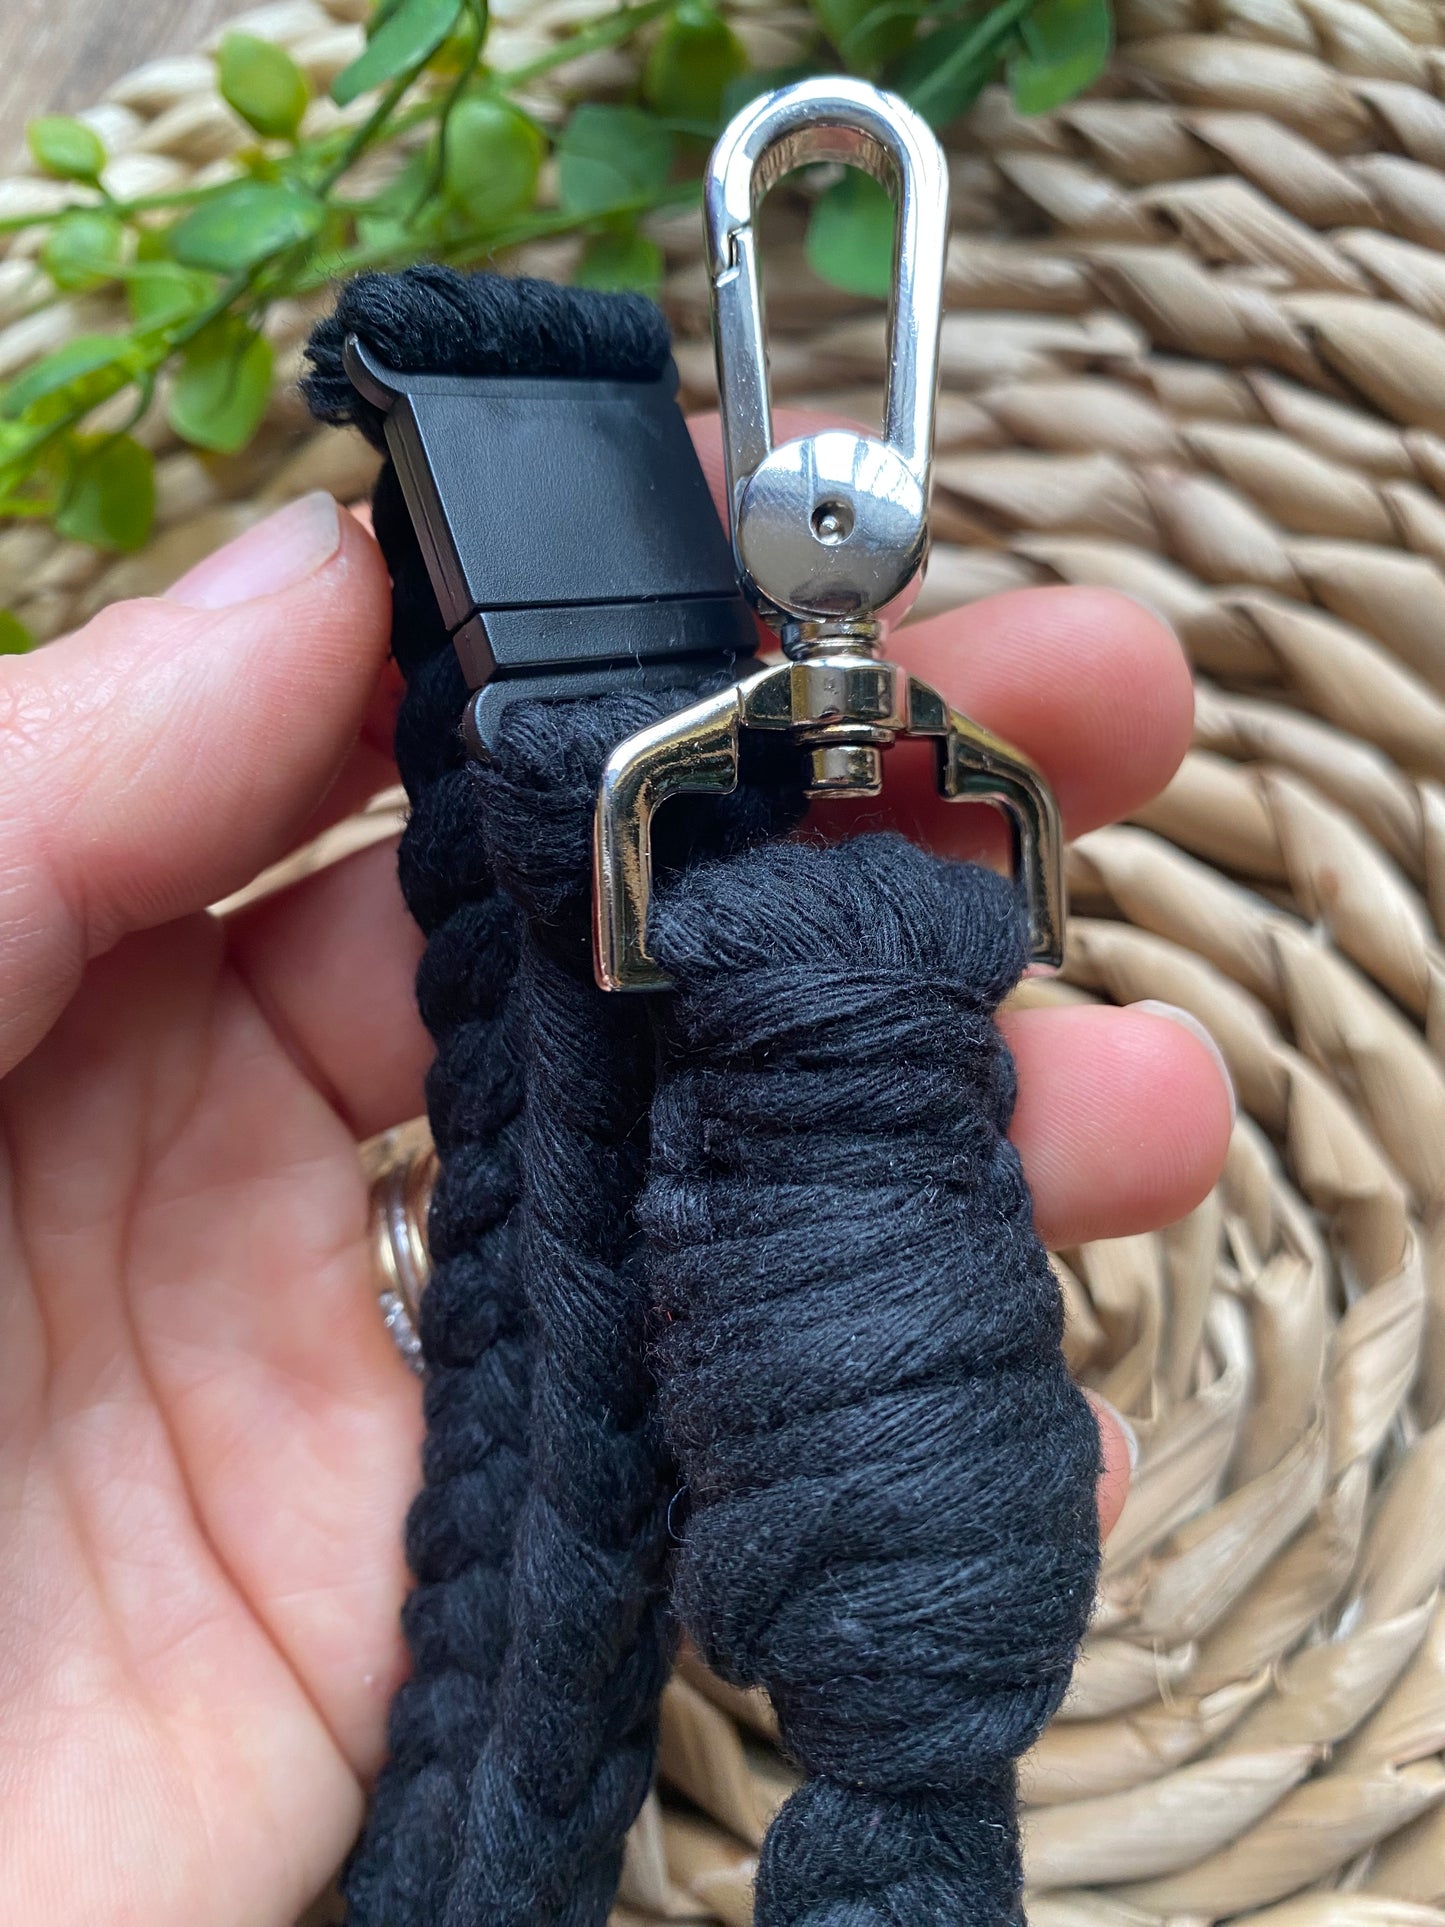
x: 826, y: 531
x: 832, y: 525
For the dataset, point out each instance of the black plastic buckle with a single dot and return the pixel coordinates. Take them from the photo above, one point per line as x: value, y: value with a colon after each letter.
x: 568, y: 531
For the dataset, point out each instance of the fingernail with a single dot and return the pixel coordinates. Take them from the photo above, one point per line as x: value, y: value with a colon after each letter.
x: 1186, y: 1020
x: 275, y: 554
x: 1126, y: 1430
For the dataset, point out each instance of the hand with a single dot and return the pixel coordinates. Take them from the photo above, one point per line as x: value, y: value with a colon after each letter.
x: 207, y: 1442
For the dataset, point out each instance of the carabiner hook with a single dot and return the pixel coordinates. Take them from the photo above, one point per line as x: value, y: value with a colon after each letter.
x: 826, y: 531
x: 832, y: 525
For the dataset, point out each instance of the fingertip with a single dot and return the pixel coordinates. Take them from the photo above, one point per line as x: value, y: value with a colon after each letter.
x: 1119, y: 1450
x: 1089, y: 683
x: 349, y: 601
x: 1122, y: 1122
x: 171, y: 749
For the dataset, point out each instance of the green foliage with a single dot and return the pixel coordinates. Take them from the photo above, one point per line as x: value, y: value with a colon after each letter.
x: 402, y: 212
x: 493, y: 156
x: 222, y: 386
x: 850, y: 236
x: 110, y: 497
x: 66, y: 148
x: 621, y: 258
x: 15, y: 638
x: 1063, y: 48
x: 263, y: 83
x: 945, y: 70
x: 404, y: 34
x: 611, y: 157
x: 470, y: 178
x: 103, y: 361
x: 869, y: 33
x: 693, y: 62
x: 163, y: 292
x: 244, y: 224
x: 83, y: 249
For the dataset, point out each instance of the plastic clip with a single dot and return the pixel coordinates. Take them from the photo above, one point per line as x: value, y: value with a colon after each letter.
x: 827, y: 530
x: 568, y: 532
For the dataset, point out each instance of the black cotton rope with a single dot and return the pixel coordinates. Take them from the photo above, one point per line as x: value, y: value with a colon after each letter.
x: 751, y: 1263
x: 891, y: 1477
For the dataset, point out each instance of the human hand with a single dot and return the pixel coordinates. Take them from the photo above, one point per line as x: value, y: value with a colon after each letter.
x: 208, y: 1441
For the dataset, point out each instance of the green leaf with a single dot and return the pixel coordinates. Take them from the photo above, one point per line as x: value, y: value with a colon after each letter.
x: 244, y: 223
x: 494, y: 154
x: 403, y: 37
x: 401, y: 213
x: 111, y: 499
x: 1065, y: 47
x: 82, y: 249
x: 869, y: 33
x: 458, y: 52
x: 162, y: 292
x: 611, y: 157
x: 620, y: 258
x: 850, y: 236
x: 85, y: 355
x: 65, y: 147
x: 944, y: 73
x: 222, y: 386
x: 263, y: 83
x: 15, y: 638
x: 693, y: 61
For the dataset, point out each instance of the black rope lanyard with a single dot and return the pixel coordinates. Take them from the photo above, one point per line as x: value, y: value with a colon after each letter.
x: 738, y: 1320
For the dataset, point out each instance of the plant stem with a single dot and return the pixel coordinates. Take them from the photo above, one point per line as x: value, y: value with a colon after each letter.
x: 990, y: 35
x: 483, y: 243
x: 362, y: 137
x: 606, y: 33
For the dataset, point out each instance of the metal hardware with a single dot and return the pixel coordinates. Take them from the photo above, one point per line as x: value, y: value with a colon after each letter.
x: 402, y: 1170
x: 833, y: 524
x: 827, y: 531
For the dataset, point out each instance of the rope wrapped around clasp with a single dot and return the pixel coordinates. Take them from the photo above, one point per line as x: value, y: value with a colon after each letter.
x: 738, y: 1317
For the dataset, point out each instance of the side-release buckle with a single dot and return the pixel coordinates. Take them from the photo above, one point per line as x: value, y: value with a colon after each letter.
x: 568, y: 531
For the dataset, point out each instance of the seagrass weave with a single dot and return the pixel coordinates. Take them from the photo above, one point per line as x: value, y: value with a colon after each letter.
x: 1196, y: 351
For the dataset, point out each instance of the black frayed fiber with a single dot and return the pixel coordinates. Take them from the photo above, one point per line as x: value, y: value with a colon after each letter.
x: 431, y: 320
x: 891, y: 1477
x: 521, y: 1746
x: 765, y: 1240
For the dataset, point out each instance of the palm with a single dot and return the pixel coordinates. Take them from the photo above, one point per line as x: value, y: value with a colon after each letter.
x: 207, y: 1445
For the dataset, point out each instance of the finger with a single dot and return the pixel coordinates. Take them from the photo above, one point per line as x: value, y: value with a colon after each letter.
x: 370, y: 766
x: 1090, y: 685
x: 1122, y: 1121
x: 331, y: 962
x: 1120, y: 1450
x: 159, y: 757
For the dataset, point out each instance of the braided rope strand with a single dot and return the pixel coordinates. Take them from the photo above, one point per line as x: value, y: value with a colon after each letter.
x: 892, y: 1478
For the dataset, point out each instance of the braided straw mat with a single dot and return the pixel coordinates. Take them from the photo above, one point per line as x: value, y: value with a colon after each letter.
x: 1196, y: 351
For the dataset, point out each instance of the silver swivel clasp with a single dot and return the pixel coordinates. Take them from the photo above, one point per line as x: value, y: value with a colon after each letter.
x: 827, y: 531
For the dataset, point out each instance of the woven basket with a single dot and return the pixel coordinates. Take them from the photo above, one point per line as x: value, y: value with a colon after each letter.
x: 1197, y: 352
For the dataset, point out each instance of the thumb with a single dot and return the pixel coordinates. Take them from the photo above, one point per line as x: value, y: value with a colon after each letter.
x: 157, y: 758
